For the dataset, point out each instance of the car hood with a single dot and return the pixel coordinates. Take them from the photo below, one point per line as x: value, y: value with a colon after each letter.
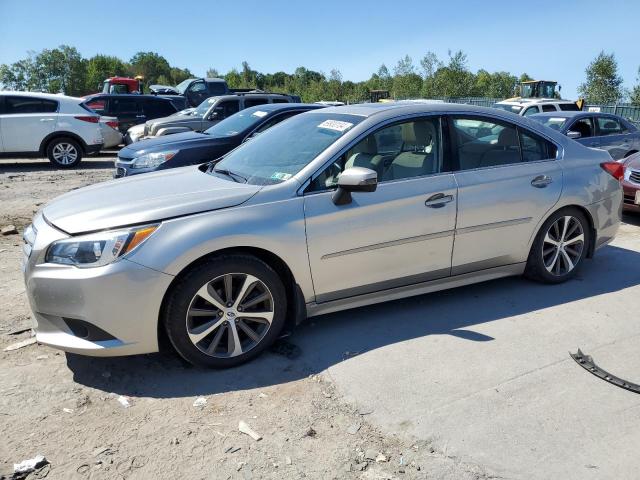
x: 176, y: 119
x: 144, y: 198
x: 169, y: 142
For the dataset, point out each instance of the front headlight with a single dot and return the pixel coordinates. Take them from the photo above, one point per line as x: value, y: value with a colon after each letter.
x: 98, y: 249
x: 151, y: 160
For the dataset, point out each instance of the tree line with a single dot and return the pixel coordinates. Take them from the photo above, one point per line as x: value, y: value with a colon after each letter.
x: 64, y: 69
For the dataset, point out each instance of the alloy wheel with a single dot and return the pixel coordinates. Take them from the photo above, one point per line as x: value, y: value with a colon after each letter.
x: 65, y: 153
x: 230, y: 315
x: 563, y: 245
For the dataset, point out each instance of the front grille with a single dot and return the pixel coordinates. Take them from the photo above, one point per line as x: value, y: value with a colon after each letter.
x: 634, y: 176
x: 629, y: 199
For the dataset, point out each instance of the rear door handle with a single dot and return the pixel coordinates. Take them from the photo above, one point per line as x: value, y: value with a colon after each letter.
x: 438, y: 200
x: 541, y: 181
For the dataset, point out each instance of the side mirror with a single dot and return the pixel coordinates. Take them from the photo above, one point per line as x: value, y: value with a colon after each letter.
x: 355, y: 179
x: 573, y: 134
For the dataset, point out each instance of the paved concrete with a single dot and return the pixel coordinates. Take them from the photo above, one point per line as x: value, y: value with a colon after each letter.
x: 484, y: 371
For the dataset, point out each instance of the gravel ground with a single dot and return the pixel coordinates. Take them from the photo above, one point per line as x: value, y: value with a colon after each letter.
x: 70, y: 408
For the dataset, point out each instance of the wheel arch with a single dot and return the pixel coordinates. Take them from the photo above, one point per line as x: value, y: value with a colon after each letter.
x: 296, y: 306
x: 584, y: 211
x: 61, y: 134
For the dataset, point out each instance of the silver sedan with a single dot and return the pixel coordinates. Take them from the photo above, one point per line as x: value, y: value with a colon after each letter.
x: 332, y: 209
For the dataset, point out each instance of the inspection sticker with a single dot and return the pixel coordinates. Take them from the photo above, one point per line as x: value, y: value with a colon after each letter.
x: 259, y: 114
x: 336, y: 125
x: 281, y: 176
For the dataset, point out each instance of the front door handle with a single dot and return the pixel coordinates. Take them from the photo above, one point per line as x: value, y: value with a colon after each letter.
x: 438, y: 200
x: 541, y: 181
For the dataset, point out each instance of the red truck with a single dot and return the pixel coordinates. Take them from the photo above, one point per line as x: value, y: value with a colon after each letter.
x: 122, y: 85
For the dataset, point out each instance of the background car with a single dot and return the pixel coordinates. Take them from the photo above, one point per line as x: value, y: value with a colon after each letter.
x: 130, y: 109
x: 332, y: 209
x: 531, y: 106
x: 191, y: 148
x: 605, y: 131
x: 110, y: 132
x: 211, y: 111
x: 631, y: 183
x: 57, y: 126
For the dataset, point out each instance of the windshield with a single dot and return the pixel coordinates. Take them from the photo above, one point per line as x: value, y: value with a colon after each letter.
x: 204, y: 106
x: 509, y: 108
x: 284, y: 150
x: 182, y: 86
x: 238, y: 122
x: 557, y: 123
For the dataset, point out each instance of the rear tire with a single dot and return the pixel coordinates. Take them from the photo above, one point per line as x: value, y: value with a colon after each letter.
x: 225, y: 311
x: 560, y: 247
x: 64, y: 152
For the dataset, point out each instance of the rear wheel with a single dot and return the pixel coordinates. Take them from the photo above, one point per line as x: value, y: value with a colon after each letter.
x: 226, y: 311
x: 64, y: 152
x: 560, y: 247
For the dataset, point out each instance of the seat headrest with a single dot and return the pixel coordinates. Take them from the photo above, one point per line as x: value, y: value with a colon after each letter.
x: 508, y: 138
x: 368, y: 146
x: 418, y: 133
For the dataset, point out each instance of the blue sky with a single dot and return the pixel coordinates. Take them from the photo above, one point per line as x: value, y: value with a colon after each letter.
x: 553, y: 40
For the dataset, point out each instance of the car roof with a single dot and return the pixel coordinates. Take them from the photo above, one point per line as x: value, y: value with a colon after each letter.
x: 272, y: 107
x: 568, y: 114
x: 399, y: 108
x: 131, y: 95
x: 534, y: 101
x: 50, y: 96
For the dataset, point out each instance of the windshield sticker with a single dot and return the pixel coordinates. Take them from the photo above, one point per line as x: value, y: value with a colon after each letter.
x: 336, y: 125
x: 281, y: 176
x: 259, y: 114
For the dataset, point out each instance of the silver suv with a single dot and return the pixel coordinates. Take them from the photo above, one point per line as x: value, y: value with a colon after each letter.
x: 207, y: 114
x: 333, y: 209
x: 532, y: 106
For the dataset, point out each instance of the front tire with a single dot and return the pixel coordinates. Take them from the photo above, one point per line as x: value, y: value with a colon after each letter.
x: 225, y: 311
x: 560, y: 247
x: 64, y: 152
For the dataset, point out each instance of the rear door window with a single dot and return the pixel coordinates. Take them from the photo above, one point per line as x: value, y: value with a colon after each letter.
x: 124, y: 106
x: 609, y: 126
x: 252, y: 102
x: 484, y: 143
x: 20, y: 105
x: 531, y: 111
x: 548, y: 108
x: 156, y: 109
x: 217, y: 88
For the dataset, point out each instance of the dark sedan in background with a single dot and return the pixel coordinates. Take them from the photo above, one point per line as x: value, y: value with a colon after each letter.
x: 191, y: 148
x: 605, y: 131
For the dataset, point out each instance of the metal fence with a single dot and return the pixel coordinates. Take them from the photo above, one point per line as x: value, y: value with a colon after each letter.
x: 626, y: 110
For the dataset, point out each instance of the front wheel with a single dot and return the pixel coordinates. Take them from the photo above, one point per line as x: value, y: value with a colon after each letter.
x: 560, y: 247
x: 225, y: 311
x: 64, y: 152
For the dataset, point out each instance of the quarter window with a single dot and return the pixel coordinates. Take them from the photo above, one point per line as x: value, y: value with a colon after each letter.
x: 405, y: 150
x: 98, y: 105
x: 18, y: 105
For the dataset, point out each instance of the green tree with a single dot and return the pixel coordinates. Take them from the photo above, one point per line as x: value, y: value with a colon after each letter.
x: 603, y: 84
x: 213, y: 73
x: 406, y: 82
x: 635, y: 92
x: 100, y: 67
x: 150, y: 66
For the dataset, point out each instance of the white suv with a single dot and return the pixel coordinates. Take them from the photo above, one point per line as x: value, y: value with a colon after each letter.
x: 531, y: 106
x: 57, y: 126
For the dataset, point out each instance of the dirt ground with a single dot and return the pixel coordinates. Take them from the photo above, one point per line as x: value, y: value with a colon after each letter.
x: 70, y: 408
